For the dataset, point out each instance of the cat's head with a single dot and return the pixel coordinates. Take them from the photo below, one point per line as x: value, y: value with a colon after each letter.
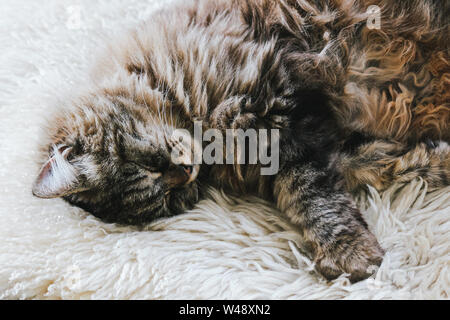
x: 115, y: 162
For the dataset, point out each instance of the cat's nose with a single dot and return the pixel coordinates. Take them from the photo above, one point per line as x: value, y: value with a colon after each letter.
x: 191, y: 171
x: 182, y: 174
x: 188, y: 169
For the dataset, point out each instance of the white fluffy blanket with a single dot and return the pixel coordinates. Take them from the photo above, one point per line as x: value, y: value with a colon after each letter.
x: 224, y: 248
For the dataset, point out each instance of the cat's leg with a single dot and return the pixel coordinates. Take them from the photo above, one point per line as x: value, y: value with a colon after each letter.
x: 331, y: 225
x: 381, y: 163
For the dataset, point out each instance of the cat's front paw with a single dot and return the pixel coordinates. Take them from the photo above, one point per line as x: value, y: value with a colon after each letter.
x: 358, y: 257
x: 233, y: 113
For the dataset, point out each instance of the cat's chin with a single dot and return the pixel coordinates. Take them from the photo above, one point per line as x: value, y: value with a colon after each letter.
x: 173, y: 201
x: 179, y: 200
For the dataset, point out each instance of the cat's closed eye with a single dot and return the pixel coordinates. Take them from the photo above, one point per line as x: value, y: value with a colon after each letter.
x: 153, y: 170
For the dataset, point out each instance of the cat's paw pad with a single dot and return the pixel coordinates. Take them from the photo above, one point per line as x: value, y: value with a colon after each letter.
x: 357, y: 257
x: 181, y: 150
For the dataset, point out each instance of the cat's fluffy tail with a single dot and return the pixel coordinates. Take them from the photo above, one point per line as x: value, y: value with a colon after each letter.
x: 381, y: 163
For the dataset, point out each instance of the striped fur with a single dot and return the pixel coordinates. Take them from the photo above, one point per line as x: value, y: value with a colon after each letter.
x: 354, y: 107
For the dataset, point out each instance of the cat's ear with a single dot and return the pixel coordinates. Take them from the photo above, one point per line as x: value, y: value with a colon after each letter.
x: 57, y: 176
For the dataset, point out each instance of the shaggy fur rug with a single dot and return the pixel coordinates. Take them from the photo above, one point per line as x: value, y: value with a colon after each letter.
x: 225, y: 248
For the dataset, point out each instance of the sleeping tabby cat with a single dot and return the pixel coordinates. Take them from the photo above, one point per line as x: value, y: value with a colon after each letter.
x: 354, y: 107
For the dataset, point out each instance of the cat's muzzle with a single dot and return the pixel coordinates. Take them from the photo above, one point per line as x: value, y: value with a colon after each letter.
x: 180, y: 175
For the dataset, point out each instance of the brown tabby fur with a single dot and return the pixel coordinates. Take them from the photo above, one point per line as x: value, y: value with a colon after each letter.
x: 354, y: 106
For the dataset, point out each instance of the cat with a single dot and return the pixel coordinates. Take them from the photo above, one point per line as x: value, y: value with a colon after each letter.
x: 354, y: 107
